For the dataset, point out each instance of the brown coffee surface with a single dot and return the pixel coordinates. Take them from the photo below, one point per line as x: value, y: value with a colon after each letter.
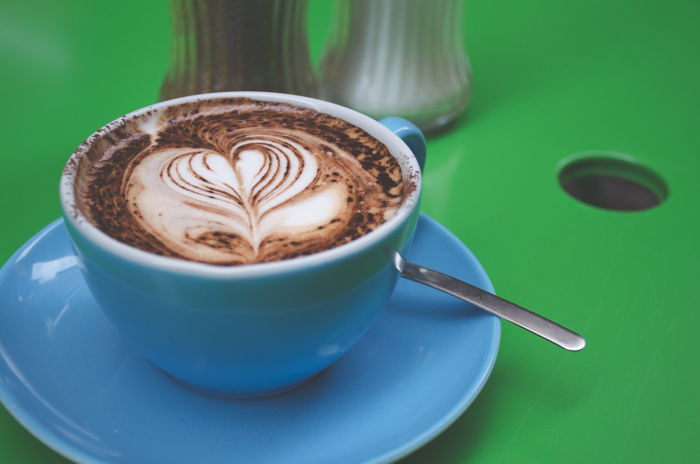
x: 237, y: 181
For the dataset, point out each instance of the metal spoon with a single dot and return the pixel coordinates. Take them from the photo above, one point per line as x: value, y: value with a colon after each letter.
x: 518, y: 315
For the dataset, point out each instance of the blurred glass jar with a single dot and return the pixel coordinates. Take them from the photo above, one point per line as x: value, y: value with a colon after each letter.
x: 399, y: 57
x: 220, y: 45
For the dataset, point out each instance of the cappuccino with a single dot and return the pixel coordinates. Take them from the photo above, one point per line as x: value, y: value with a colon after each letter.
x: 237, y: 181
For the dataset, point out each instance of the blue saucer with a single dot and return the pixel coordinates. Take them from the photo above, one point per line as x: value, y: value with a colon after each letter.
x: 68, y: 377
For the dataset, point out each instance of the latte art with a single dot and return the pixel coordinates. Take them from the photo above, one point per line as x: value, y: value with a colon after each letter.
x: 260, y: 187
x: 241, y: 183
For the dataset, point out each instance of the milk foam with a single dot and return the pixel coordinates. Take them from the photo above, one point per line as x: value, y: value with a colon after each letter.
x: 260, y: 187
x: 238, y: 181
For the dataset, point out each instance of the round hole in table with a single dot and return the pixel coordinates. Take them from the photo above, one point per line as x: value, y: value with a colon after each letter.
x: 612, y: 181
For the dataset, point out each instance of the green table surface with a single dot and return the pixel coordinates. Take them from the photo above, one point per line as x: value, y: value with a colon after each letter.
x: 551, y: 79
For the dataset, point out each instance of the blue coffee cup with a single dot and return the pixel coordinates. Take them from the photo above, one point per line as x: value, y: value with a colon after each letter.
x: 252, y: 330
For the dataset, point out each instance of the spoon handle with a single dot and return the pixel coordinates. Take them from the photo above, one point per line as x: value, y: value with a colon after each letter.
x: 518, y: 315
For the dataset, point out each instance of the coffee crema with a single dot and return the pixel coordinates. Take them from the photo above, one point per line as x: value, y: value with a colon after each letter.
x: 237, y: 181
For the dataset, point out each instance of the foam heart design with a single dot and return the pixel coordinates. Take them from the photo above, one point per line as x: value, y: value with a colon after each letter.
x: 247, y: 192
x: 255, y: 178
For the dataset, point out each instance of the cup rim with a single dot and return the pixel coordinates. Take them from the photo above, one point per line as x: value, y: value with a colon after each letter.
x: 397, y: 147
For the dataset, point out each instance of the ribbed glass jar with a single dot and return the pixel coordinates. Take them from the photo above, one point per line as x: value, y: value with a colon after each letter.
x: 220, y: 45
x: 399, y: 57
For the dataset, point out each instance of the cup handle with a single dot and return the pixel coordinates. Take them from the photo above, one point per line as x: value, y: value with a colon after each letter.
x: 410, y: 134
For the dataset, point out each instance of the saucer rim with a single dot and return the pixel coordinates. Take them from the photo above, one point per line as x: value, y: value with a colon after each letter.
x: 76, y: 454
x: 27, y: 420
